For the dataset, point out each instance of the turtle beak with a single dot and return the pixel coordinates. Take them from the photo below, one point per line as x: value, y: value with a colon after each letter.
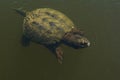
x: 84, y: 42
x: 88, y: 44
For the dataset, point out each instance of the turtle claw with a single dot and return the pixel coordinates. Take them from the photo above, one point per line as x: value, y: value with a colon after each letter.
x: 59, y: 61
x: 59, y: 55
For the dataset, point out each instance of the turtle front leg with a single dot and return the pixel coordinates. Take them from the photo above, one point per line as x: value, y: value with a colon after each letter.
x: 59, y: 54
x: 57, y: 51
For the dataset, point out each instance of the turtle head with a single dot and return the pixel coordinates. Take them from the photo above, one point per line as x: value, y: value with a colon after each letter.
x: 76, y: 40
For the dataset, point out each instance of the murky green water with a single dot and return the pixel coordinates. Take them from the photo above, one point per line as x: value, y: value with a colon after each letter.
x: 98, y: 18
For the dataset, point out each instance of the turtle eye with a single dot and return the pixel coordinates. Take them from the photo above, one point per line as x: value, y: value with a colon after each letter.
x: 77, y: 36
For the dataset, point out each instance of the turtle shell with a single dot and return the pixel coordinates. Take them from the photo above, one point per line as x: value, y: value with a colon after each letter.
x: 46, y: 26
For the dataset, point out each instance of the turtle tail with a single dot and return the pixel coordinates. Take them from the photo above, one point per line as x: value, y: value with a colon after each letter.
x: 20, y: 11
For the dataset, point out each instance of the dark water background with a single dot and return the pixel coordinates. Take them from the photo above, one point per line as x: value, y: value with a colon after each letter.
x: 100, y: 19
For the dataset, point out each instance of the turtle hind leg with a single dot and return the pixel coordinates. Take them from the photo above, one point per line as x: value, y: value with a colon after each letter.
x: 57, y: 51
x: 25, y: 41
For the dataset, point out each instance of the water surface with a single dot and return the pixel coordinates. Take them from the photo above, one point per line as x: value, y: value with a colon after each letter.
x: 98, y: 18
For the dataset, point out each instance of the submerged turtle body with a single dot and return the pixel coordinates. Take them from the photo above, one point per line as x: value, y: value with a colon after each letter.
x: 51, y: 28
x: 46, y: 26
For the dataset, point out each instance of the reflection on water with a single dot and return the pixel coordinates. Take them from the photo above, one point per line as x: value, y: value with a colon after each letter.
x: 98, y: 18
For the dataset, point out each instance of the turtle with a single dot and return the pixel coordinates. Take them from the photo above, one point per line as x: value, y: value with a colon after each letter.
x: 51, y: 28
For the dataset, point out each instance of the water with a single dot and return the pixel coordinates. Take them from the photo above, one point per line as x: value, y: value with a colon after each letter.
x: 98, y: 18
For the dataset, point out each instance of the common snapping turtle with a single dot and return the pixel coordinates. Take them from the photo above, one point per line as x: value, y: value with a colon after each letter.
x: 51, y: 28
